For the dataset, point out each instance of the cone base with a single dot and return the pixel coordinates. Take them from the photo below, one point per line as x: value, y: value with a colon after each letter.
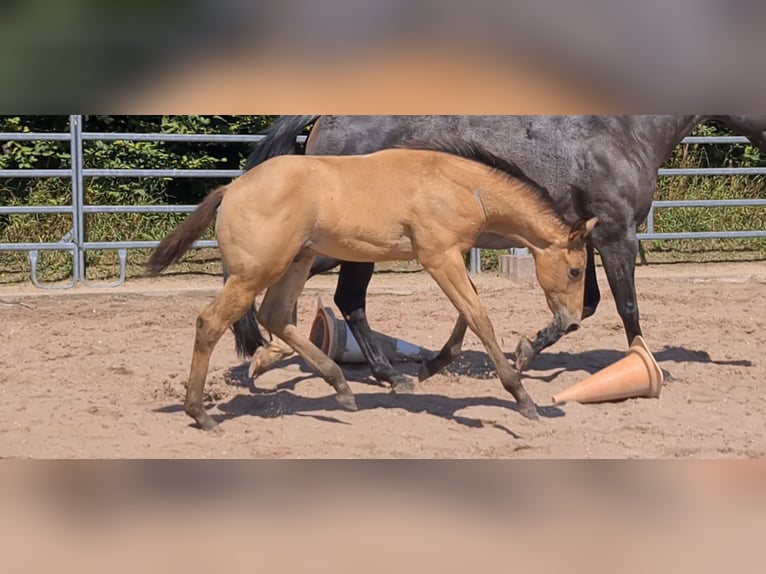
x: 636, y: 375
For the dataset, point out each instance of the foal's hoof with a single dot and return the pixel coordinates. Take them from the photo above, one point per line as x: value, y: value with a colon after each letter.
x: 347, y: 401
x: 529, y: 411
x: 254, y: 370
x: 257, y: 366
x: 524, y: 355
x: 207, y: 424
x: 402, y: 386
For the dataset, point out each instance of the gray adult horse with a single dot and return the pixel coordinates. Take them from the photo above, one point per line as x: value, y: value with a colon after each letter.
x: 614, y: 159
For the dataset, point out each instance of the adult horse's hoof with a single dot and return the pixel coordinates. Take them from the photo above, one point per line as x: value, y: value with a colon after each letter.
x: 424, y: 372
x: 525, y: 353
x: 347, y: 401
x: 402, y: 385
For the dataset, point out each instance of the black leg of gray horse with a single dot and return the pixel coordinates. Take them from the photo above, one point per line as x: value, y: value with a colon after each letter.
x: 350, y: 297
x: 592, y: 292
x: 619, y: 260
x: 620, y: 266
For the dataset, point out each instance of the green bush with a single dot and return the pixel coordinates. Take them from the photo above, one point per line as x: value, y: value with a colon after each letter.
x: 111, y: 191
x: 668, y: 220
x: 189, y: 191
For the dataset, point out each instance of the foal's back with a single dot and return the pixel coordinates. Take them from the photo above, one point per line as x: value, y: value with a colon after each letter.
x: 360, y: 208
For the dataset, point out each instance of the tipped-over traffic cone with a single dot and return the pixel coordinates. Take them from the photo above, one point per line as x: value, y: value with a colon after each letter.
x: 637, y: 374
x: 335, y: 339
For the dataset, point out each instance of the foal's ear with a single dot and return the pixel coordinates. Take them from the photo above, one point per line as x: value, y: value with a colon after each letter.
x: 581, y: 229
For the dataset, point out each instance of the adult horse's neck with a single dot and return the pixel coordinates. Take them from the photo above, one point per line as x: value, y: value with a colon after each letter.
x: 666, y: 132
x: 515, y: 209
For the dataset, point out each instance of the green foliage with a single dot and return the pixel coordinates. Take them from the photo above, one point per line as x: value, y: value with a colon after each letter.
x: 110, y: 190
x: 668, y: 220
x: 189, y: 191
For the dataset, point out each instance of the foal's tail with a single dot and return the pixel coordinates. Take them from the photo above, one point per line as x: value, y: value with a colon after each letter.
x: 280, y: 140
x: 178, y: 242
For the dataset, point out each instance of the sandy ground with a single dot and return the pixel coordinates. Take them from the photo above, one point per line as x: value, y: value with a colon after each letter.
x: 100, y: 373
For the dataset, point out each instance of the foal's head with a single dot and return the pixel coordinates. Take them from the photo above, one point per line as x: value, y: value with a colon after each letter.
x: 560, y: 270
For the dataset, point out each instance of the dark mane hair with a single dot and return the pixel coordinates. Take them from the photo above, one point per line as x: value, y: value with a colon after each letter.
x: 472, y: 151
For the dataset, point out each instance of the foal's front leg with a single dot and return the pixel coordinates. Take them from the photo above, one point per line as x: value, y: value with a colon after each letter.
x: 450, y: 351
x: 448, y: 270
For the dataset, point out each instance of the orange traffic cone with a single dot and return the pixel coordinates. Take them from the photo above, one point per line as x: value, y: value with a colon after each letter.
x: 637, y: 374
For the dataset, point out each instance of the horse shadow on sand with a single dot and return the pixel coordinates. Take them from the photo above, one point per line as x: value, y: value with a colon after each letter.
x: 548, y: 366
x: 594, y: 360
x: 283, y: 399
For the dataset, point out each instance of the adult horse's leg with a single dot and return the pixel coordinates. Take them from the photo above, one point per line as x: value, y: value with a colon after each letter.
x: 350, y: 297
x: 276, y: 314
x: 227, y: 307
x: 619, y: 258
x: 448, y: 270
x: 592, y: 292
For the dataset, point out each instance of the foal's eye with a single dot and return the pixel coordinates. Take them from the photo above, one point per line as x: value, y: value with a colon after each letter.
x: 574, y: 272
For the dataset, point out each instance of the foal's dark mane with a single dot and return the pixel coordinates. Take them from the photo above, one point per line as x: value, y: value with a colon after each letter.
x: 472, y: 151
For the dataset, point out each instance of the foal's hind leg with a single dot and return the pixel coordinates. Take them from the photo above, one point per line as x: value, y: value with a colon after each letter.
x: 275, y: 314
x: 228, y: 306
x: 448, y: 270
x: 267, y: 356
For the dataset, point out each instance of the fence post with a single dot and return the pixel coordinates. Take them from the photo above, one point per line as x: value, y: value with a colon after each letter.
x: 475, y: 261
x: 78, y: 197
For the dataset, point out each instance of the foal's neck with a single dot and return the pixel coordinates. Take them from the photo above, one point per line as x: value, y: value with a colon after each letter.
x: 513, y: 209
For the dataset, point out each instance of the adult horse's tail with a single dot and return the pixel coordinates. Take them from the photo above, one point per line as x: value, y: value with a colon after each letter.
x: 280, y: 140
x: 178, y: 242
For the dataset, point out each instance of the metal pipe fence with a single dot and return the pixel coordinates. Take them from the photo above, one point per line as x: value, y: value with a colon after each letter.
x: 76, y: 243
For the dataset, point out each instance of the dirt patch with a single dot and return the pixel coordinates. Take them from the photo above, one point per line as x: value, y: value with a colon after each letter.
x: 101, y: 373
